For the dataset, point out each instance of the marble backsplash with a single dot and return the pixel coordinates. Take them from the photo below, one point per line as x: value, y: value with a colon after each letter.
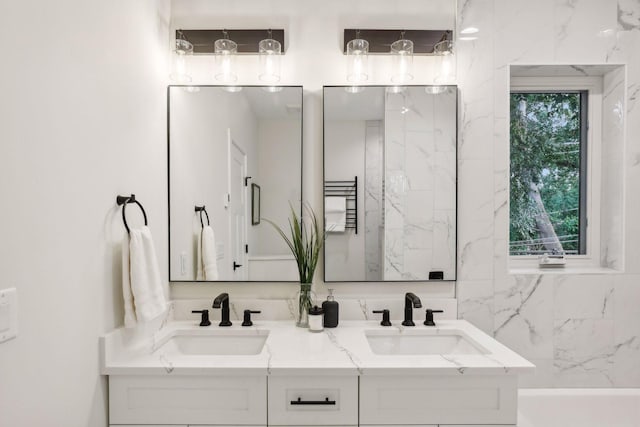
x: 286, y: 309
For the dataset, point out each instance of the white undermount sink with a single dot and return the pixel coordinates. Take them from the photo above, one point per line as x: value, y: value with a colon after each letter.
x: 421, y: 342
x: 197, y: 343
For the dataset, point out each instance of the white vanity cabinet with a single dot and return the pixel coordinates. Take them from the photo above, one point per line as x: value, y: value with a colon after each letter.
x: 461, y: 400
x: 187, y: 400
x: 313, y: 400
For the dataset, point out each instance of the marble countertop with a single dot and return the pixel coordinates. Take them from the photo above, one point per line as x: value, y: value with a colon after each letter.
x: 289, y: 350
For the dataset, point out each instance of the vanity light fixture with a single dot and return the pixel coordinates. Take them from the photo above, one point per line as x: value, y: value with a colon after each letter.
x: 227, y: 44
x: 225, y: 51
x: 446, y: 67
x: 402, y: 52
x: 386, y: 42
x: 269, y: 50
x: 357, y: 55
x: 183, y: 49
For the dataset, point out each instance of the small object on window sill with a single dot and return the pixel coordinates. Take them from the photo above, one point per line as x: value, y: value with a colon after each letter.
x: 551, y: 261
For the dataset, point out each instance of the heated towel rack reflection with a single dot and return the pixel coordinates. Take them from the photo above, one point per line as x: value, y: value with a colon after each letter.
x: 348, y: 190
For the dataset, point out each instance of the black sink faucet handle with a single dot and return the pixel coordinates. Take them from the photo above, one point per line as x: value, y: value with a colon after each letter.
x: 247, y: 317
x: 385, y: 317
x: 429, y: 320
x: 204, y: 320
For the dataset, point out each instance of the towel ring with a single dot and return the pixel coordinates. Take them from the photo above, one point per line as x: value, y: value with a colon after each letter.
x: 123, y: 200
x: 203, y: 209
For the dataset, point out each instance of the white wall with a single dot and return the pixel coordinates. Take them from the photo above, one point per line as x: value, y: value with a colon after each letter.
x: 278, y: 161
x: 82, y: 119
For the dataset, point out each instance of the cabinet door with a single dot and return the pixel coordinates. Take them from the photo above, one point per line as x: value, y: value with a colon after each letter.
x: 313, y: 401
x: 441, y: 400
x: 184, y: 400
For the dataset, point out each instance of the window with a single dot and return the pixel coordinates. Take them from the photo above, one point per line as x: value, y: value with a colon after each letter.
x: 554, y: 163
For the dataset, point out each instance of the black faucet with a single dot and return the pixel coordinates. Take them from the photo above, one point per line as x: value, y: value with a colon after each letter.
x: 410, y: 301
x: 222, y: 301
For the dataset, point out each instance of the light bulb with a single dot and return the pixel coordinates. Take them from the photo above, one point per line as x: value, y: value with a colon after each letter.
x: 225, y: 52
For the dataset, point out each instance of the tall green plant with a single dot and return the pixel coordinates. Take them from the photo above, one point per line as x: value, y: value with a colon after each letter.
x: 305, y: 242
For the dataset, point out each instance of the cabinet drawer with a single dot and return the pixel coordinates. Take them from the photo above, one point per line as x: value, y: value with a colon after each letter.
x: 184, y: 400
x: 432, y: 399
x: 313, y: 401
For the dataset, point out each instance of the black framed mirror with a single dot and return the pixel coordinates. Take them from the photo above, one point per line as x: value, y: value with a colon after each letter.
x: 396, y: 221
x: 237, y: 151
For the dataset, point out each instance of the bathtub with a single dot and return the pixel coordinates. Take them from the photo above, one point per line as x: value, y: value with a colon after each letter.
x: 579, y: 407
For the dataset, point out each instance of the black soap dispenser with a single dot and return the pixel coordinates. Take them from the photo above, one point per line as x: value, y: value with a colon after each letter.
x: 330, y: 308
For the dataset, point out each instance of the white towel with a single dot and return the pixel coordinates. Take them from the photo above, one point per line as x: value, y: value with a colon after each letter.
x: 207, y: 256
x: 335, y: 214
x: 144, y: 298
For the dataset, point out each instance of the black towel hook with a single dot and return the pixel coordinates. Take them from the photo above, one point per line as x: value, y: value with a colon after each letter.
x: 203, y: 209
x: 124, y: 200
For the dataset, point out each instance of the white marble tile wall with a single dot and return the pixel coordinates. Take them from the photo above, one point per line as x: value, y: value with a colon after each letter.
x: 373, y: 199
x: 580, y: 330
x: 420, y: 148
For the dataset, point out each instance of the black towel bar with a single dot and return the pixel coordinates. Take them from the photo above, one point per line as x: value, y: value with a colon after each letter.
x: 124, y: 200
x: 203, y: 209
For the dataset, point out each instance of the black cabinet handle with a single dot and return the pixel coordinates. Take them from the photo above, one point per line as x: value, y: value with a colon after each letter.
x: 326, y: 401
x: 235, y: 265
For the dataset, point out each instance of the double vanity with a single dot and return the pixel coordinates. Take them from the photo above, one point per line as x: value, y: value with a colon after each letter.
x: 390, y: 207
x: 273, y: 373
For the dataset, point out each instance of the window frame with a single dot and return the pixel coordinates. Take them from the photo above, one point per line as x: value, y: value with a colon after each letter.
x: 592, y: 85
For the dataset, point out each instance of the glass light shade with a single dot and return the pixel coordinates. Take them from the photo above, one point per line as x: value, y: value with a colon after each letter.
x: 354, y: 89
x: 357, y: 60
x: 402, y: 52
x: 232, y: 89
x: 179, y: 68
x: 446, y: 68
x: 272, y: 89
x: 225, y: 52
x: 269, y: 51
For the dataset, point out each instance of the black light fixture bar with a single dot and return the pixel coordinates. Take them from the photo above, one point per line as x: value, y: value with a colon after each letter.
x: 380, y: 40
x: 247, y: 40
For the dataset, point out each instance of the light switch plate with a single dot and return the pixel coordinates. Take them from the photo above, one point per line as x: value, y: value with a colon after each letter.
x: 8, y: 314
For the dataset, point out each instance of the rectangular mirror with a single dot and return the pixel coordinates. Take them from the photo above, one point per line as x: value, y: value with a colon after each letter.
x: 390, y: 183
x: 237, y: 152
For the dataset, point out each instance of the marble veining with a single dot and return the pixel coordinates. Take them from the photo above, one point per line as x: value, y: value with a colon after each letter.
x: 628, y: 15
x: 524, y: 296
x: 292, y: 350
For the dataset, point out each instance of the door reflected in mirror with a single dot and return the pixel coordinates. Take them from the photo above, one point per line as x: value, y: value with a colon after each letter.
x: 238, y: 154
x: 390, y: 183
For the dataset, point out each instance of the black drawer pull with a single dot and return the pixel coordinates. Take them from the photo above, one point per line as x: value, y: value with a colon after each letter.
x: 326, y: 401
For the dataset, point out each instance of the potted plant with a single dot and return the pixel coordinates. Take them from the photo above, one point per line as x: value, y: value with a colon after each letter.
x: 305, y: 242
